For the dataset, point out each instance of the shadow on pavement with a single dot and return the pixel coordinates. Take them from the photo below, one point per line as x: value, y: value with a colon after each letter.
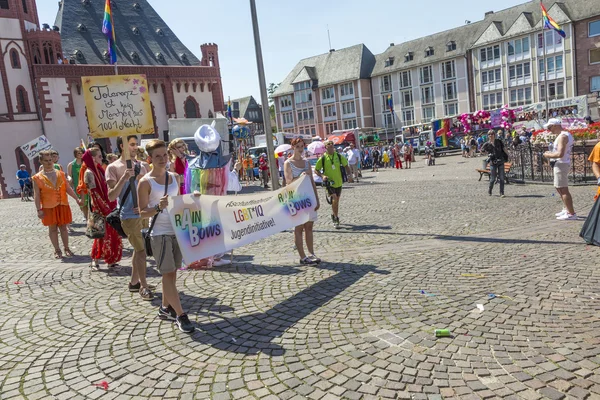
x: 254, y: 333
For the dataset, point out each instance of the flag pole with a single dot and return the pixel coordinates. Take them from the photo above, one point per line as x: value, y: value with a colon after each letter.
x: 546, y: 94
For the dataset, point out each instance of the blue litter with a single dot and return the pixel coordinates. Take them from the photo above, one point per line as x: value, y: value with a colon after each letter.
x: 491, y: 295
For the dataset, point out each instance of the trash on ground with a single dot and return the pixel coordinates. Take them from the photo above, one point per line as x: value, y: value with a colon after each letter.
x: 103, y: 385
x: 477, y: 276
x: 442, y: 333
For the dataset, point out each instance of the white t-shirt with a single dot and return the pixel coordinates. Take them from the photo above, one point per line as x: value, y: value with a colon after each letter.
x: 566, y: 158
x: 353, y: 156
x: 281, y: 162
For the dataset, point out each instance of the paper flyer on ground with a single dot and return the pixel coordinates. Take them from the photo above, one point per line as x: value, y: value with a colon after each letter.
x: 209, y: 225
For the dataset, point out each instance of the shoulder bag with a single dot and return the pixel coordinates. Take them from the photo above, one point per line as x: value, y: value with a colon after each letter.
x: 114, y: 218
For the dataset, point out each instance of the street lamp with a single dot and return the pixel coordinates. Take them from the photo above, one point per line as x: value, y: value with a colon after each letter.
x: 264, y: 99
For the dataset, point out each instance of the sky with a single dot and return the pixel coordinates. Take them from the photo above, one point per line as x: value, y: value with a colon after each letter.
x: 291, y: 31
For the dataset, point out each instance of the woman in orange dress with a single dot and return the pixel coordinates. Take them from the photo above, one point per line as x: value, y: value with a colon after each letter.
x: 51, y: 189
x: 110, y: 247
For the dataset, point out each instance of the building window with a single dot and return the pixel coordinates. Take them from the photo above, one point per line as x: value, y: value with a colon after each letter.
x: 348, y: 108
x: 519, y: 71
x: 450, y: 91
x: 328, y: 93
x: 552, y: 38
x: 302, y: 92
x: 555, y: 64
x: 407, y: 98
x: 329, y: 128
x: 350, y: 124
x: 288, y: 118
x: 491, y: 77
x: 4, y: 5
x: 594, y: 28
x: 405, y: 79
x: 556, y: 91
x: 595, y: 84
x: 347, y: 89
x: 429, y: 51
x: 448, y: 70
x: 408, y: 117
x: 388, y: 120
x: 519, y: 46
x: 490, y: 53
x: 492, y: 101
x: 385, y: 107
x: 451, y: 46
x: 451, y: 109
x: 286, y: 101
x: 389, y: 62
x: 191, y: 108
x: 329, y: 111
x: 427, y: 95
x: 595, y: 56
x: 25, y: 10
x: 15, y: 60
x: 428, y: 113
x: 426, y: 75
x: 22, y: 100
x: 386, y: 83
x: 408, y: 56
x: 520, y: 97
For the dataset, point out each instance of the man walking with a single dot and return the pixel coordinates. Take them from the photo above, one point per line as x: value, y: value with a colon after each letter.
x: 353, y: 159
x: 154, y: 191
x: 497, y: 157
x: 117, y: 179
x: 560, y: 157
x: 329, y: 168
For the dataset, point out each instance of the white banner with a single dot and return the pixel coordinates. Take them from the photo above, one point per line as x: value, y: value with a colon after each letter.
x: 209, y: 225
x: 33, y: 148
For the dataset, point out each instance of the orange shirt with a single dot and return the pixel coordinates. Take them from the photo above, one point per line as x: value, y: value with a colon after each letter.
x: 52, y: 196
x: 595, y: 158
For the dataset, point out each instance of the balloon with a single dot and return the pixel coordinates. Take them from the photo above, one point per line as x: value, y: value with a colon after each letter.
x: 240, y: 132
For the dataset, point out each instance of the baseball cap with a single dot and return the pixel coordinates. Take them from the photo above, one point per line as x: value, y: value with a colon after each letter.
x: 552, y: 121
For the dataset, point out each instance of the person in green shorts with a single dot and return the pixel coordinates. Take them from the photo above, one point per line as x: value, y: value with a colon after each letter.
x: 329, y: 168
x: 73, y: 170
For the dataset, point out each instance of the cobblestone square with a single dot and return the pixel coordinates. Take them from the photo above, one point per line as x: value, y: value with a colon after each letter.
x: 419, y: 250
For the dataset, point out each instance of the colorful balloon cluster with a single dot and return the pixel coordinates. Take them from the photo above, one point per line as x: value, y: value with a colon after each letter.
x: 508, y: 116
x: 466, y: 120
x: 482, y: 115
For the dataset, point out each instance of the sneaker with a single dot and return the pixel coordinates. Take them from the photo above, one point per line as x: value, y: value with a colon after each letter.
x: 333, y: 218
x: 307, y: 261
x: 502, y: 196
x: 559, y: 214
x: 184, y: 323
x: 567, y: 217
x: 167, y: 313
x: 221, y: 262
x: 315, y: 258
x: 490, y: 192
x: 146, y: 294
x: 136, y: 288
x: 337, y: 224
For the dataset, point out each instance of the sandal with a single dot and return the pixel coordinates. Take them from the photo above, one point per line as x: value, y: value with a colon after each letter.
x: 315, y: 258
x: 307, y: 261
x: 68, y: 252
x: 94, y: 267
x: 57, y: 254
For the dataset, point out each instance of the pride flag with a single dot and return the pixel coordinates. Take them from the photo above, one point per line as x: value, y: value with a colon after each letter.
x: 549, y: 23
x: 229, y: 113
x: 390, y: 103
x: 108, y: 29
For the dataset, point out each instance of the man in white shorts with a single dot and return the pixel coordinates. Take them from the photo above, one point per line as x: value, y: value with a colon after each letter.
x: 560, y: 156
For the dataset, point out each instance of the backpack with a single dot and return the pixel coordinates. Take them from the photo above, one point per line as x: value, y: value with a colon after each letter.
x: 344, y: 175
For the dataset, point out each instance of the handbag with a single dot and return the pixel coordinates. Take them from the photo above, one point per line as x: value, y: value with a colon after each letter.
x: 589, y: 231
x: 96, y: 225
x: 146, y: 232
x: 114, y: 218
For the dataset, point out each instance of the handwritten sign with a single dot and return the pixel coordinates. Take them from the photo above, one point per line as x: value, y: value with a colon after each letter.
x: 117, y: 105
x: 33, y: 148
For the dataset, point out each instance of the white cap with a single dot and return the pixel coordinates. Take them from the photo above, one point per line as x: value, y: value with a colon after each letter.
x: 552, y: 121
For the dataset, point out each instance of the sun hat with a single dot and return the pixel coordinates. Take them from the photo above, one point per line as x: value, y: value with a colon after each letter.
x: 551, y: 122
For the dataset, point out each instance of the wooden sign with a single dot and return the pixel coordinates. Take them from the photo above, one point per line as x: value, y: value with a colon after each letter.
x: 117, y: 105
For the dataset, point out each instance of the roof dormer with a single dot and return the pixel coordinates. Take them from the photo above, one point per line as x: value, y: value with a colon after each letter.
x: 409, y: 56
x: 389, y: 61
x: 451, y: 45
x: 429, y: 51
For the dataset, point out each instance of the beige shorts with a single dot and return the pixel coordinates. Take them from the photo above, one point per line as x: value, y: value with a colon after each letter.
x: 561, y: 175
x: 166, y: 252
x: 133, y: 229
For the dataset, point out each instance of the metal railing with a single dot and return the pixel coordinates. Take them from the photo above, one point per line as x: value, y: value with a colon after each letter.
x: 528, y: 163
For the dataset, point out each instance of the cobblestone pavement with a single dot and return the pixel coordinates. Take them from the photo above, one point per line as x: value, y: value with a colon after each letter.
x: 358, y: 326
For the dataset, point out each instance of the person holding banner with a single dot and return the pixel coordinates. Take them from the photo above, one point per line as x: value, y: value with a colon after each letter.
x: 165, y: 249
x: 117, y: 179
x: 110, y: 247
x: 51, y: 190
x: 295, y: 167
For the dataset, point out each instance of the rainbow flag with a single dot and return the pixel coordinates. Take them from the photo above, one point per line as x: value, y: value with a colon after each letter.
x: 229, y: 112
x: 549, y: 23
x: 82, y: 145
x: 108, y: 29
x: 390, y: 103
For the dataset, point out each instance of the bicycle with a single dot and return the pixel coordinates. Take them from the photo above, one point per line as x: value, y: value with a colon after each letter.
x: 28, y: 190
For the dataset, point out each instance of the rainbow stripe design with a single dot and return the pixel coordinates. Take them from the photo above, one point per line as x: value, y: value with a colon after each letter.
x: 549, y: 23
x: 229, y: 113
x: 390, y: 103
x: 108, y: 29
